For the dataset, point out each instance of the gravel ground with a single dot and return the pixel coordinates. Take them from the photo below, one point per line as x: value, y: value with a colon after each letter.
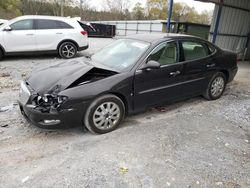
x: 193, y: 143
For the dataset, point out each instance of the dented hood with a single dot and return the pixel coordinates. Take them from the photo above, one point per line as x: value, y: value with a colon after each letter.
x: 56, y: 78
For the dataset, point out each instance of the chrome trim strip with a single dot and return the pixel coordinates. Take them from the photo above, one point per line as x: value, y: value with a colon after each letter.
x: 168, y: 86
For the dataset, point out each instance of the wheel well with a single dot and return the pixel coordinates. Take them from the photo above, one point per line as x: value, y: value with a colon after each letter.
x: 2, y: 49
x: 124, y: 100
x: 226, y: 74
x: 68, y: 40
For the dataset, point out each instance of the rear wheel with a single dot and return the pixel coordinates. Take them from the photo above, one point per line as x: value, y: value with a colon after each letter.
x: 67, y: 50
x: 104, y: 114
x: 216, y: 86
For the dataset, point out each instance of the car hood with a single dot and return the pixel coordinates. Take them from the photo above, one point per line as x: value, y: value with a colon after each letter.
x: 56, y: 78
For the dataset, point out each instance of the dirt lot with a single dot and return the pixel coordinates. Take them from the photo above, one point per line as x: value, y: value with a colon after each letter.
x: 194, y: 143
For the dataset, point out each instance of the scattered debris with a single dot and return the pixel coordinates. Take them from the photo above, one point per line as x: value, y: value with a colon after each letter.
x: 168, y: 184
x: 246, y: 141
x: 227, y: 144
x: 9, y: 107
x: 4, y: 125
x: 25, y: 179
x: 124, y: 170
x: 197, y: 182
x: 219, y: 183
x: 4, y: 74
x: 161, y: 109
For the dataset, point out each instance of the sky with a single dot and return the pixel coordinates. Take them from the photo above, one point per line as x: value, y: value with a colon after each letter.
x: 199, y: 6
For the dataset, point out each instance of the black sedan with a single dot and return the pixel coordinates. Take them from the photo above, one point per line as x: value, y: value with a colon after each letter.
x: 128, y: 76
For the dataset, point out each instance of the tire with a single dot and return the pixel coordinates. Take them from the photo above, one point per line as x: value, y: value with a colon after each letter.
x: 67, y: 50
x: 100, y: 123
x: 1, y: 54
x: 216, y: 86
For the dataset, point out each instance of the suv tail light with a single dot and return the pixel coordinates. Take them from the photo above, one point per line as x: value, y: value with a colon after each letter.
x: 84, y: 32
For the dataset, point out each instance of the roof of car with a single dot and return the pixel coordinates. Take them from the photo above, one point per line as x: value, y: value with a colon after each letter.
x: 42, y: 17
x: 154, y: 37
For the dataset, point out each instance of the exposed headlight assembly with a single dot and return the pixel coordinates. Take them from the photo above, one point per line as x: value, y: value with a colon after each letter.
x: 50, y: 100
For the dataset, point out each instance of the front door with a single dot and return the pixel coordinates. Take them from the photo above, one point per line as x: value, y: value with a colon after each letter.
x: 156, y: 86
x: 21, y: 38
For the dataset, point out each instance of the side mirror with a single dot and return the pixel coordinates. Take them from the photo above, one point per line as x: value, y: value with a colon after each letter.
x: 7, y: 28
x: 151, y: 65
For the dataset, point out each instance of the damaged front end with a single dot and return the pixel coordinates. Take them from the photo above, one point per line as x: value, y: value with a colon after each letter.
x: 48, y: 102
x: 42, y: 103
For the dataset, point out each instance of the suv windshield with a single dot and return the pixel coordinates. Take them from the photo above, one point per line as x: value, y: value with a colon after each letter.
x: 121, y: 54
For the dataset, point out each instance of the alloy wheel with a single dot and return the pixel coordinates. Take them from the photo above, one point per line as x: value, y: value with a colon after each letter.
x: 217, y: 86
x: 68, y: 51
x: 106, y: 115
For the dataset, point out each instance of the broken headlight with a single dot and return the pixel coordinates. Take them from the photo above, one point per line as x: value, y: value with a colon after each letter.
x: 50, y: 100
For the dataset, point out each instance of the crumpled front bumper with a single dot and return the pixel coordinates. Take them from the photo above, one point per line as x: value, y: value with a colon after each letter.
x: 69, y: 113
x: 70, y: 117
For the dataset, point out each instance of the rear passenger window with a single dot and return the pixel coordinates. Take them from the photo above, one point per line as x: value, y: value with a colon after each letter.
x: 194, y: 50
x: 165, y: 54
x: 46, y: 24
x: 52, y: 24
x: 63, y: 25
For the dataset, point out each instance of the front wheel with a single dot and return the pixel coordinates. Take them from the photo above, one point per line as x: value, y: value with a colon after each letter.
x: 216, y: 86
x: 104, y: 114
x: 67, y: 50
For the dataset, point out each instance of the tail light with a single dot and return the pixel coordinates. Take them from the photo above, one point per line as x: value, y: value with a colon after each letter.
x: 84, y: 32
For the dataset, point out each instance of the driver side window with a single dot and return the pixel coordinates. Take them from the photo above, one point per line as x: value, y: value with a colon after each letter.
x: 165, y: 53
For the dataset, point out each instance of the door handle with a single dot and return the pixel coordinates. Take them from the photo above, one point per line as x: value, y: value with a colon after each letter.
x: 30, y: 34
x: 58, y: 33
x: 175, y: 73
x: 210, y: 65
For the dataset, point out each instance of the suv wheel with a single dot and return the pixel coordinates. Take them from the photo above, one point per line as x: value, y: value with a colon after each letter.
x: 104, y: 114
x: 1, y: 54
x: 67, y: 50
x: 215, y: 87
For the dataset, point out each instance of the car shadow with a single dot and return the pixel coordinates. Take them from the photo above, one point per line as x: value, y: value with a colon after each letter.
x: 131, y: 120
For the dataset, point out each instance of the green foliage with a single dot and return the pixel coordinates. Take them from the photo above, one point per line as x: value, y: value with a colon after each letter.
x: 158, y: 9
x: 9, y: 8
x: 138, y: 12
x: 116, y: 10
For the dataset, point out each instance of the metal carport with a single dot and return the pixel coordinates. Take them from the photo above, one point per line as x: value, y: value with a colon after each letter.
x: 230, y: 27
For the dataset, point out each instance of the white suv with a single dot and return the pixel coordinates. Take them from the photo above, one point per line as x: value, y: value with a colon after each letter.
x: 32, y: 34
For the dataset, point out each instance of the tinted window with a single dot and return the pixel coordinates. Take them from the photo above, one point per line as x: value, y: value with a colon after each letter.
x: 194, y: 50
x: 52, y: 24
x: 46, y: 24
x: 63, y: 25
x: 22, y: 25
x: 165, y: 53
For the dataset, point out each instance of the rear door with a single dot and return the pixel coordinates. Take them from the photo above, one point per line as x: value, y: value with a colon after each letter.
x: 195, y: 57
x: 156, y: 86
x: 21, y: 38
x: 49, y: 33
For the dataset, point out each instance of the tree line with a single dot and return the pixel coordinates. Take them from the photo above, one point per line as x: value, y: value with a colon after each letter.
x: 111, y: 10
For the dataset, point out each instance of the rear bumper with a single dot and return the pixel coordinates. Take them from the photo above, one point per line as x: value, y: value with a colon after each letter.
x: 83, y: 48
x: 232, y: 74
x: 49, y: 120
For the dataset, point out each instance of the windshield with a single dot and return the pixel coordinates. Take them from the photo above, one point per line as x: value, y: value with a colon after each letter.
x: 121, y: 54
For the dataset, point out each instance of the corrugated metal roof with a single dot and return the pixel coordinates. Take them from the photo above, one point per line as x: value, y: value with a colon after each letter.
x: 245, y: 4
x: 234, y: 25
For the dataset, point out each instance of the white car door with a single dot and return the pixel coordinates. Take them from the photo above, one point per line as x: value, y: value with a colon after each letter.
x: 20, y: 36
x: 49, y: 33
